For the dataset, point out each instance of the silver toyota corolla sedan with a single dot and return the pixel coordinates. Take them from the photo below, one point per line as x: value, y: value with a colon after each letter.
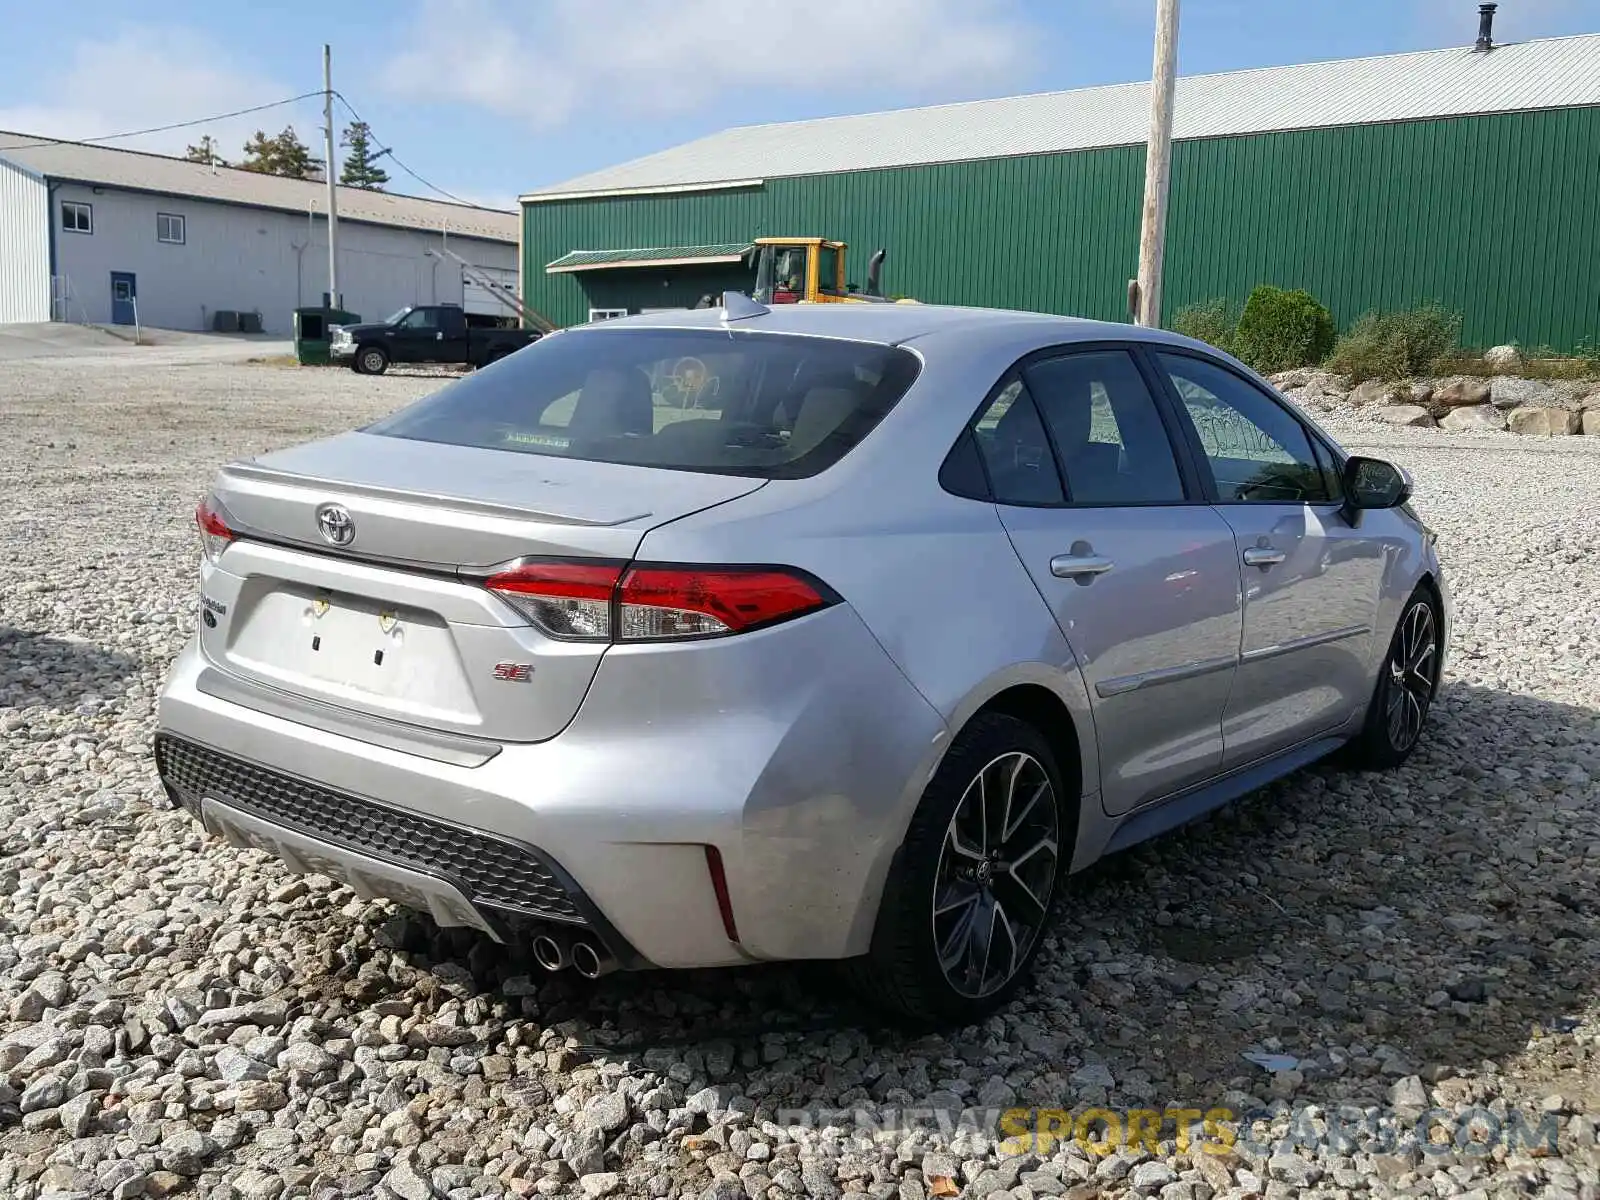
x: 822, y: 632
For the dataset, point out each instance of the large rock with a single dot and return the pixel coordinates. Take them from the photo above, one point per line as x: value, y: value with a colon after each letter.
x: 1310, y: 377
x: 1503, y: 358
x: 1550, y: 422
x: 1461, y: 391
x: 1374, y: 391
x: 1473, y: 420
x: 1591, y: 422
x: 1407, y: 414
x: 1508, y: 391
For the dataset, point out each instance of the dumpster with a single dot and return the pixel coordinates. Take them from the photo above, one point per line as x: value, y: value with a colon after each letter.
x: 312, y: 332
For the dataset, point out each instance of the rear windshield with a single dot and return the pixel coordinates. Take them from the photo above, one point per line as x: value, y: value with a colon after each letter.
x: 725, y: 402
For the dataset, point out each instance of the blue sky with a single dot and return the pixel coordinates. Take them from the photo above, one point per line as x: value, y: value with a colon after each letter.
x: 488, y: 98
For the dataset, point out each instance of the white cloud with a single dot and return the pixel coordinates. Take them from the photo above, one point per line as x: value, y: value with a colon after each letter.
x: 570, y: 60
x: 143, y: 76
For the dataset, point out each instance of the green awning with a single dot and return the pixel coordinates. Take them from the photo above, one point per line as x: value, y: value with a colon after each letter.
x: 649, y: 256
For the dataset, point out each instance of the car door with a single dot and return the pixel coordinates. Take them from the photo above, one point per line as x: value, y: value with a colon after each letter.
x: 415, y: 337
x: 1310, y: 581
x: 1137, y: 569
x: 452, y: 338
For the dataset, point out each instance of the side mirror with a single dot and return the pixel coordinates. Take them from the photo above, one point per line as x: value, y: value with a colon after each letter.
x: 1373, y: 483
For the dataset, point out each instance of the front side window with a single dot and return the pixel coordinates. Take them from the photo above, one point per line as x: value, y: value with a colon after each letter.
x: 771, y: 406
x: 77, y: 218
x: 1107, y: 430
x: 170, y: 228
x: 1257, y: 452
x: 421, y: 318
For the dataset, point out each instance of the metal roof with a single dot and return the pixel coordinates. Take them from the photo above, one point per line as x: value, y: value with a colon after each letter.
x: 648, y: 256
x: 79, y: 162
x: 1550, y: 73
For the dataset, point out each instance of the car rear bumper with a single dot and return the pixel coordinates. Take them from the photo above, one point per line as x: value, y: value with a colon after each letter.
x: 797, y: 752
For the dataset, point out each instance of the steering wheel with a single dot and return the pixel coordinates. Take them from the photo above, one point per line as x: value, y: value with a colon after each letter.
x: 688, y: 378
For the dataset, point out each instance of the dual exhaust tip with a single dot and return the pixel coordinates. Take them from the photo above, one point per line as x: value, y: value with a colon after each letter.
x: 555, y: 953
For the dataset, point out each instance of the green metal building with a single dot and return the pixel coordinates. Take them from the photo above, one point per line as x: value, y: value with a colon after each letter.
x: 1465, y: 176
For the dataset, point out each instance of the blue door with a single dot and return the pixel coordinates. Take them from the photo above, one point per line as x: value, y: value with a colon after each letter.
x: 123, y: 291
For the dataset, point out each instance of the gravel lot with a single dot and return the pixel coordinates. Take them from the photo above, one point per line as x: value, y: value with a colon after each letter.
x: 180, y: 1017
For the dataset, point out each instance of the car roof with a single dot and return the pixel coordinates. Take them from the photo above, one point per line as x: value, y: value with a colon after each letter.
x: 895, y: 324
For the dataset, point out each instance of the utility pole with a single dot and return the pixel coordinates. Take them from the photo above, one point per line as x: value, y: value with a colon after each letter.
x: 1157, y: 166
x: 333, y: 185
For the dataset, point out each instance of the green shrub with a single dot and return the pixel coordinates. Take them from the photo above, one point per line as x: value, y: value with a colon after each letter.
x: 1281, y: 329
x: 1212, y: 322
x: 1397, y: 345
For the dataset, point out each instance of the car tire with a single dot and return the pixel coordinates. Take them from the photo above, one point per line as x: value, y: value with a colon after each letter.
x: 1407, y: 682
x: 371, y: 360
x: 943, y: 886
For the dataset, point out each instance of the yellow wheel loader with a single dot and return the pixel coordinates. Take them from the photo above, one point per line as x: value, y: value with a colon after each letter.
x: 811, y: 270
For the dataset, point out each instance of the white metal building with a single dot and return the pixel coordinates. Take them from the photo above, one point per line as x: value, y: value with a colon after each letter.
x: 106, y: 236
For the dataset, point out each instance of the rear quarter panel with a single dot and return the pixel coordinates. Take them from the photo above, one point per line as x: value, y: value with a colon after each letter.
x: 933, y: 576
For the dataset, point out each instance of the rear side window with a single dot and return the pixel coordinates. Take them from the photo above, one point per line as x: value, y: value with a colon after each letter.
x: 1107, y: 430
x: 1016, y: 450
x: 767, y: 405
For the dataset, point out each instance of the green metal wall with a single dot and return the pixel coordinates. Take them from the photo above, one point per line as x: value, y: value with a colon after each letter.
x: 1498, y: 217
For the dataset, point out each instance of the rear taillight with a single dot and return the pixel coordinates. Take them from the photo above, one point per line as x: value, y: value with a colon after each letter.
x: 214, y: 532
x: 567, y: 600
x: 609, y: 602
x: 679, y: 602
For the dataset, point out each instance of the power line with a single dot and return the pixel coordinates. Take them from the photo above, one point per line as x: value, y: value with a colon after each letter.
x: 395, y: 159
x: 115, y: 137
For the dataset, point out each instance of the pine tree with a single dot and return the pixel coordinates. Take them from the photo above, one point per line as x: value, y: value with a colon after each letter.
x: 359, y: 168
x: 205, y: 152
x: 285, y: 154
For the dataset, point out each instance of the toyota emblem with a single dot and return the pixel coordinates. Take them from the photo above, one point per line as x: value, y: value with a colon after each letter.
x: 335, y: 525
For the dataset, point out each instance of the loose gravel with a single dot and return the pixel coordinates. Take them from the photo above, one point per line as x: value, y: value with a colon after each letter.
x: 180, y: 1017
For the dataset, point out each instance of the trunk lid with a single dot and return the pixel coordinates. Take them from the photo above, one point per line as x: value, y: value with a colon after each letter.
x: 438, y: 506
x: 395, y: 623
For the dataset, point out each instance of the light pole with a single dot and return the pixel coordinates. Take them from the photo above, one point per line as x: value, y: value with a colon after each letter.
x: 1157, y: 167
x: 333, y: 181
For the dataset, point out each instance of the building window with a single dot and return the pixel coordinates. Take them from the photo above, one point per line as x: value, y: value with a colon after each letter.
x: 77, y: 218
x: 169, y: 228
x: 606, y: 314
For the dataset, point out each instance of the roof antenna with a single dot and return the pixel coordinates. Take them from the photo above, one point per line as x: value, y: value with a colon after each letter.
x: 1485, y: 28
x: 736, y: 306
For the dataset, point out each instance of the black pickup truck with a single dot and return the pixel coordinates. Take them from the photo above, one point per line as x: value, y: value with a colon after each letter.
x: 426, y: 333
